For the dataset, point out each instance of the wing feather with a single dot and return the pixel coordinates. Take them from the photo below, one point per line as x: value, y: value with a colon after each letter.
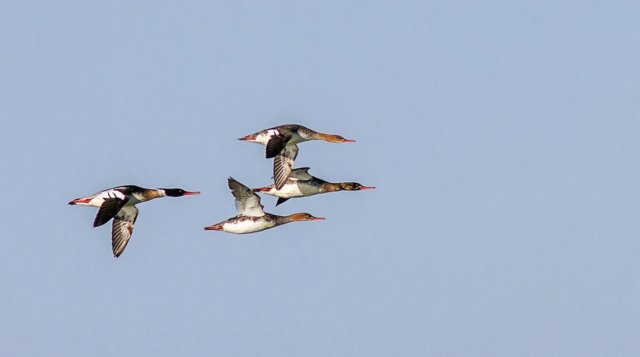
x: 276, y: 144
x: 282, y: 165
x: 122, y: 229
x: 300, y: 174
x: 281, y: 200
x: 109, y: 208
x: 247, y: 202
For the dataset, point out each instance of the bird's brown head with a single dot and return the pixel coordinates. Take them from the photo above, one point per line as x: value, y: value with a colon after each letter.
x: 304, y: 217
x: 354, y: 186
x: 335, y: 138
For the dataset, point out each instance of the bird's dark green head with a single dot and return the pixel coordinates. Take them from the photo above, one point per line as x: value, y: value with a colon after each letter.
x: 178, y: 192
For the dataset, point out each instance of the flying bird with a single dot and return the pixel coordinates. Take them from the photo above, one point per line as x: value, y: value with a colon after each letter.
x: 251, y: 216
x: 119, y: 203
x: 281, y: 145
x: 301, y: 184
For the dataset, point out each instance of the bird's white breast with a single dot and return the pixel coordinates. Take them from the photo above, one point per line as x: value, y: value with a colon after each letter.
x: 246, y: 226
x: 287, y: 191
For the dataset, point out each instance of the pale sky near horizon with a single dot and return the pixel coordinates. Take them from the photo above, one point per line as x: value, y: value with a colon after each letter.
x: 502, y: 138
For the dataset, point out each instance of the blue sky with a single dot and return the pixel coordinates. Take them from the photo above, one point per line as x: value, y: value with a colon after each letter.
x: 502, y: 138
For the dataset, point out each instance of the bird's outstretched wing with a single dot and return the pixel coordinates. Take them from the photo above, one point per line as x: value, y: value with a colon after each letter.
x: 300, y: 174
x: 282, y: 164
x: 247, y: 202
x: 122, y: 228
x: 277, y: 143
x: 109, y: 208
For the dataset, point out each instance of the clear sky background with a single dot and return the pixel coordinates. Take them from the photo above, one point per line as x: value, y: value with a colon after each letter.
x: 502, y: 137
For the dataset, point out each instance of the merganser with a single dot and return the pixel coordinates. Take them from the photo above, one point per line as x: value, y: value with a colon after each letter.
x: 301, y: 184
x: 119, y: 203
x: 281, y: 145
x: 251, y: 216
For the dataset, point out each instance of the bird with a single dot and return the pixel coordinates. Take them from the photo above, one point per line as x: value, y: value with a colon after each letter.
x: 281, y: 142
x: 301, y: 184
x: 251, y: 216
x: 119, y: 203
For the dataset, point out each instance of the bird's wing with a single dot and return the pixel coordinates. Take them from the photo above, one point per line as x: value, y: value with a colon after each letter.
x: 109, y: 208
x: 282, y: 164
x: 247, y: 202
x: 281, y: 200
x: 277, y: 143
x: 122, y: 228
x: 301, y: 174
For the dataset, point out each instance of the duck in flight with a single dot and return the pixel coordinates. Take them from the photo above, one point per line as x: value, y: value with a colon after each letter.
x: 119, y: 203
x: 281, y: 145
x: 251, y: 216
x: 301, y: 184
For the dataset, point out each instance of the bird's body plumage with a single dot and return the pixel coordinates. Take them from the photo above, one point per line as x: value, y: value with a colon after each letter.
x: 251, y: 217
x: 301, y: 184
x: 118, y: 203
x: 281, y: 144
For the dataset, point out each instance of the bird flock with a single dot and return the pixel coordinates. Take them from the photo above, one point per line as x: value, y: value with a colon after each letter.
x: 119, y: 203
